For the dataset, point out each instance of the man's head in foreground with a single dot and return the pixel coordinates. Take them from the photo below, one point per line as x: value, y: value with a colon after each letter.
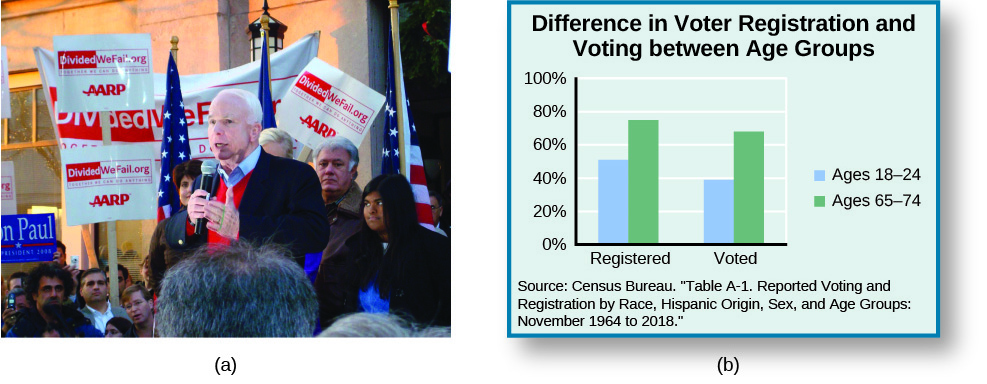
x: 238, y: 290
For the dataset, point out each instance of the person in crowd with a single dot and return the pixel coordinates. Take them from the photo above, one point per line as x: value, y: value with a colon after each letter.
x: 96, y: 292
x: 10, y: 314
x: 239, y: 290
x: 435, y: 201
x: 123, y: 276
x: 146, y: 271
x: 336, y: 162
x: 160, y: 256
x: 260, y: 197
x: 392, y: 264
x: 15, y: 281
x: 363, y: 324
x: 46, y: 290
x: 139, y: 304
x: 60, y: 257
x: 277, y: 142
x: 119, y: 327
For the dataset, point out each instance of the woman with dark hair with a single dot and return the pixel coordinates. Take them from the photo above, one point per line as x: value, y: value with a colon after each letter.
x: 161, y: 256
x: 392, y: 264
x: 119, y: 327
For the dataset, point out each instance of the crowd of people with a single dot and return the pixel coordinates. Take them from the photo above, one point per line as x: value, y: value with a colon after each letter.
x: 290, y: 250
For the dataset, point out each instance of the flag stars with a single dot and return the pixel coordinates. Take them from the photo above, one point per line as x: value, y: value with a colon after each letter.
x: 181, y: 138
x: 167, y: 115
x: 393, y: 132
x: 167, y: 178
x: 169, y: 139
x: 181, y: 155
x: 181, y: 104
x: 396, y: 152
x: 160, y: 193
x: 390, y: 111
x: 182, y: 121
x: 164, y: 154
x: 386, y: 152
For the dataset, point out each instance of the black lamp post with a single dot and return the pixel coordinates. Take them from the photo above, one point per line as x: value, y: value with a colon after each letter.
x: 275, y: 35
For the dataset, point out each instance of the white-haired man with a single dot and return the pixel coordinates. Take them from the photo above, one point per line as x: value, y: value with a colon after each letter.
x: 336, y: 163
x: 260, y: 197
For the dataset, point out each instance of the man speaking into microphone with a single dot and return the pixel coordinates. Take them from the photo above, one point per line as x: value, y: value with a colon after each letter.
x: 260, y: 197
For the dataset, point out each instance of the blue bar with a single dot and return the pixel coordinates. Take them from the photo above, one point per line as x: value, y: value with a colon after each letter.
x: 718, y: 211
x: 613, y: 201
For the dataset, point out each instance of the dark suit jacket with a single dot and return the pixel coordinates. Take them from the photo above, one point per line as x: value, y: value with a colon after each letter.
x: 282, y: 203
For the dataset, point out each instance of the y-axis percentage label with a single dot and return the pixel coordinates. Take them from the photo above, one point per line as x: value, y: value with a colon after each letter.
x: 544, y: 78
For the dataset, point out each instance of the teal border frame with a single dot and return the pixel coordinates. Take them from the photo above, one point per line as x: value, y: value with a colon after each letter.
x: 510, y: 334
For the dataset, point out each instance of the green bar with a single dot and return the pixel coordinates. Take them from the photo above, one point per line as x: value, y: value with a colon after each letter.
x: 642, y: 181
x: 748, y: 187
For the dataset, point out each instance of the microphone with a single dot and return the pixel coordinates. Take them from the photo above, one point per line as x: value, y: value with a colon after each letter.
x: 208, y: 183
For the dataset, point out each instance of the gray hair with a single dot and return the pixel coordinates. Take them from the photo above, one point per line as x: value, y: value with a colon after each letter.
x: 339, y: 142
x: 363, y: 324
x: 255, y: 114
x: 278, y: 135
x: 238, y: 290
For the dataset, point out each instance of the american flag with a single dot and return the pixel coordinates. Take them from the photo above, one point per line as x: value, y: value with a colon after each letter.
x: 264, y: 88
x: 391, y: 156
x: 174, y: 142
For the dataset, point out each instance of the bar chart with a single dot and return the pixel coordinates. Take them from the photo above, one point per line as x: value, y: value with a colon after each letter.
x: 682, y: 161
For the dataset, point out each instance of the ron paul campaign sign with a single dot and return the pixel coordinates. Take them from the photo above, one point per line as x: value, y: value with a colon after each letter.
x: 325, y: 102
x: 115, y: 182
x: 82, y: 129
x: 104, y: 72
x: 28, y: 238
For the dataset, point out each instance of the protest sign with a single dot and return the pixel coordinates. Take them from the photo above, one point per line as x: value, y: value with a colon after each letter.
x: 115, y: 182
x: 104, y: 72
x: 325, y: 102
x: 82, y: 129
x: 28, y: 238
x: 8, y: 188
